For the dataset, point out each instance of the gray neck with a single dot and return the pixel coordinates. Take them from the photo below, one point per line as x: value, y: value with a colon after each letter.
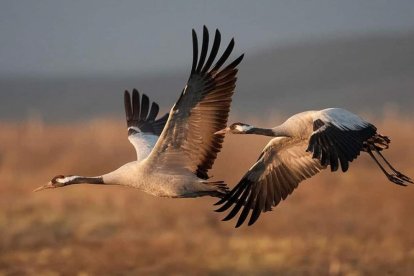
x: 281, y: 131
x: 260, y: 131
x: 126, y: 175
x: 278, y: 131
x: 84, y: 180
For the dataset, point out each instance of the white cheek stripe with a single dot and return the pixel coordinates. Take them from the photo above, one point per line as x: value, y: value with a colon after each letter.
x: 66, y: 179
x: 239, y: 128
x: 243, y: 128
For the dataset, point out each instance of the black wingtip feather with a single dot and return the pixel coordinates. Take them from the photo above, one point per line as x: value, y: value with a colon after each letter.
x: 230, y: 199
x: 195, y: 51
x: 234, y: 63
x: 259, y: 206
x: 244, y: 214
x: 247, y: 207
x: 233, y: 194
x: 214, y: 51
x: 204, y: 49
x: 253, y: 219
x: 144, y: 107
x: 239, y: 204
x: 153, y: 111
x: 136, y: 106
x: 225, y: 55
x: 128, y: 107
x: 134, y: 109
x: 221, y: 201
x: 159, y: 124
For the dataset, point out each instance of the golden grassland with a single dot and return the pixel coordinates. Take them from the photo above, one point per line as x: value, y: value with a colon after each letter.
x: 356, y: 223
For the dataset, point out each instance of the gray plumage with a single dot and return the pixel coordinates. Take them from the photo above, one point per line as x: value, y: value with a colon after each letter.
x: 178, y: 164
x: 305, y: 144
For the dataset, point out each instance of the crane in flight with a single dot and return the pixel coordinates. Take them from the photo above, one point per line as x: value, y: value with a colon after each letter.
x: 302, y: 146
x: 176, y: 163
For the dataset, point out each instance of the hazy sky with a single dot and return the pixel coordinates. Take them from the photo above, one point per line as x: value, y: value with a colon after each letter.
x: 81, y: 38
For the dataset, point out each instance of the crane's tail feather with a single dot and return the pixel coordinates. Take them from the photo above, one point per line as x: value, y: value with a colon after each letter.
x: 377, y: 142
x: 220, y: 188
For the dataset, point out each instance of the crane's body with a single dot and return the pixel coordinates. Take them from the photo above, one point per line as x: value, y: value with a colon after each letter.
x: 176, y: 151
x: 147, y: 178
x: 304, y: 144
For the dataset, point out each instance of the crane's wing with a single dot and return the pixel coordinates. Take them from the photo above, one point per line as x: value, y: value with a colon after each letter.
x: 277, y: 172
x: 143, y: 127
x: 338, y: 135
x: 188, y: 141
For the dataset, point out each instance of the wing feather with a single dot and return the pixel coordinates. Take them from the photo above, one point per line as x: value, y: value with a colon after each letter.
x: 214, y: 51
x: 338, y: 137
x: 143, y: 130
x: 282, y: 165
x: 204, y: 49
x: 201, y: 110
x: 144, y: 107
x: 153, y: 111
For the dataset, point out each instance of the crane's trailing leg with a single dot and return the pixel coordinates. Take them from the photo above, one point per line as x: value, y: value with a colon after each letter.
x: 391, y: 177
x: 397, y: 173
x: 376, y: 144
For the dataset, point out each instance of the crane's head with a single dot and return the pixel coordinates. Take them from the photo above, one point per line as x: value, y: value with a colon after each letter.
x: 62, y: 181
x: 56, y: 182
x: 236, y: 128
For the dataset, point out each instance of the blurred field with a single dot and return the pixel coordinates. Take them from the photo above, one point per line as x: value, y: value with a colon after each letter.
x: 339, y: 224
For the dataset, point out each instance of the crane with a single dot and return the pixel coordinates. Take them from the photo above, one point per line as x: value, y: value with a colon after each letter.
x: 178, y: 164
x: 303, y: 145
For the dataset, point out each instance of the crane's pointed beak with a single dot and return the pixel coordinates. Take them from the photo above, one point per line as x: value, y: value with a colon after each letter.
x: 223, y: 131
x: 47, y: 186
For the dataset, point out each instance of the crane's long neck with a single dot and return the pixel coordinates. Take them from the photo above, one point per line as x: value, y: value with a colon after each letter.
x: 125, y: 175
x: 120, y: 176
x: 278, y: 131
x: 77, y: 179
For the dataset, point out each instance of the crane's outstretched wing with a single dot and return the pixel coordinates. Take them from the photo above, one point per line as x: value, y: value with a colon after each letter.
x: 143, y: 127
x: 188, y: 140
x: 339, y: 135
x: 277, y: 172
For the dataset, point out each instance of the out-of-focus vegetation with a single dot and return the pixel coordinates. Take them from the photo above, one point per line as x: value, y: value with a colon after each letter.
x: 356, y: 223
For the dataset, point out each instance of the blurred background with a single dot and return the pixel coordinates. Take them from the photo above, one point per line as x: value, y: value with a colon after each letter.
x: 63, y: 68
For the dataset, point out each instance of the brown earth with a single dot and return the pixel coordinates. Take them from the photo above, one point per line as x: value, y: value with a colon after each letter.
x: 356, y: 223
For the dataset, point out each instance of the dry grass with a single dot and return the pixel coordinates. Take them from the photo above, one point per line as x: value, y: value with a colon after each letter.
x: 340, y: 224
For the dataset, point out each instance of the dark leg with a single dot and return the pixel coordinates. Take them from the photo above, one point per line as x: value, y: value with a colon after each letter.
x: 393, y: 178
x: 399, y: 174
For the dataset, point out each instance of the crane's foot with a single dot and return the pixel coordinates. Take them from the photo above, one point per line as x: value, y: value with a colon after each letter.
x: 403, y: 177
x: 396, y: 179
